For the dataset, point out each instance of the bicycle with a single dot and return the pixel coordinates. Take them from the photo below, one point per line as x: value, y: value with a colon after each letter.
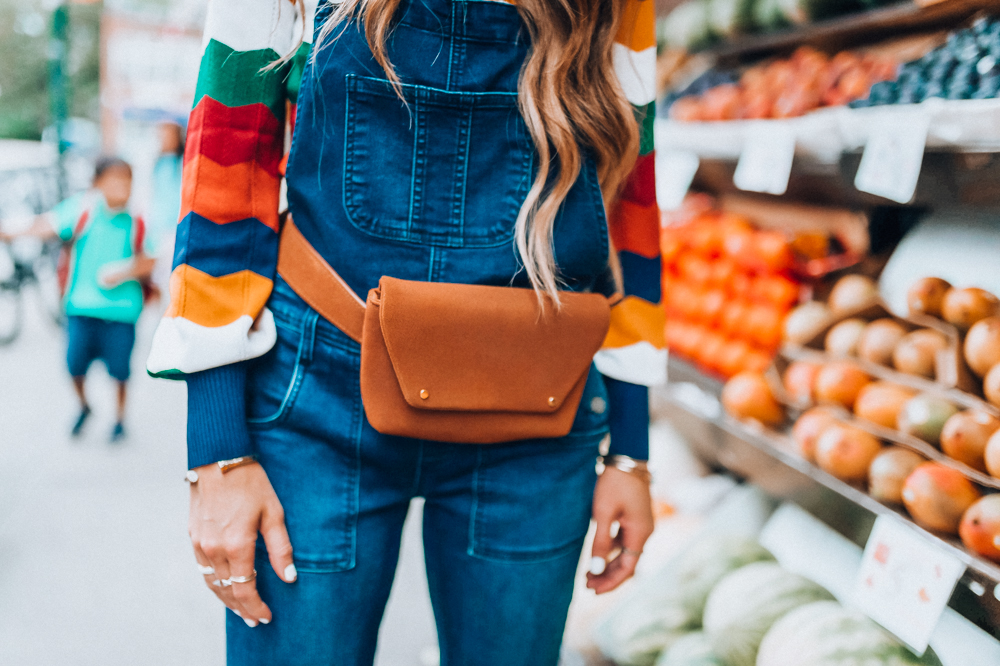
x: 38, y: 272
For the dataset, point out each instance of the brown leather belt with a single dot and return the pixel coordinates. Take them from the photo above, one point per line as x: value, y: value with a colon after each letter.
x: 315, y: 281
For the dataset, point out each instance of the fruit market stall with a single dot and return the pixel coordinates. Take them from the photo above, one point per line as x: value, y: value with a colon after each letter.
x: 831, y: 283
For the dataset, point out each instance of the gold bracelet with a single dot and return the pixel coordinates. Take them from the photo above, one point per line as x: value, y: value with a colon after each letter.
x: 639, y: 468
x: 233, y: 463
x: 225, y: 465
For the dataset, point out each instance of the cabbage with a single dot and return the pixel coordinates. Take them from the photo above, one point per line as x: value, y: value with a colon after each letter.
x: 742, y: 607
x: 690, y: 650
x: 668, y: 605
x: 827, y: 634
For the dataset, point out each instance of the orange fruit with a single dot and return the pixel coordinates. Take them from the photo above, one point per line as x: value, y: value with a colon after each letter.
x: 694, y: 268
x: 771, y: 250
x: 758, y: 360
x: 733, y: 316
x: 840, y: 382
x: 748, y: 396
x: 711, y: 305
x: 763, y: 326
x: 733, y: 357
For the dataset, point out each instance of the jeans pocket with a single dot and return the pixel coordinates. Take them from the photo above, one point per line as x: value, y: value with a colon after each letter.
x: 274, y: 379
x: 533, y: 499
x: 317, y: 484
x: 313, y: 456
x: 442, y: 168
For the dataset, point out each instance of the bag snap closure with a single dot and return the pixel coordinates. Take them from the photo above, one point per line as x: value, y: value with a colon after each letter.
x: 424, y: 394
x: 552, y: 401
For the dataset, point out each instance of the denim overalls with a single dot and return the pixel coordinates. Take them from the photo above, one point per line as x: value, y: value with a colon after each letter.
x: 426, y: 190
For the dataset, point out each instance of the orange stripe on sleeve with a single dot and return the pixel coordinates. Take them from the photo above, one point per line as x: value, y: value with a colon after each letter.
x: 638, y: 26
x: 636, y: 320
x: 216, y: 301
x: 230, y: 193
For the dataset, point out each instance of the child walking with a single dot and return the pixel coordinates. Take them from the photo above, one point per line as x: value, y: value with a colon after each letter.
x: 108, y: 258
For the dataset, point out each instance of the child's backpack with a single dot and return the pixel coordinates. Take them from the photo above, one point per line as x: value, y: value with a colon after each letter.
x: 150, y: 292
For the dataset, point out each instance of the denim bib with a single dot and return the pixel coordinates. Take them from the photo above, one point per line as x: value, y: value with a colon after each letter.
x: 429, y: 187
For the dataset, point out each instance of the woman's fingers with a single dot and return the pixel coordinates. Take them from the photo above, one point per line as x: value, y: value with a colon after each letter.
x: 204, y: 564
x: 279, y: 547
x: 604, y: 544
x: 241, y: 568
x: 621, y: 497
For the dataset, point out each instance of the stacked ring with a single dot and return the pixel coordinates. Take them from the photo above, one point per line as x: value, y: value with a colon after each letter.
x: 206, y: 571
x: 238, y: 579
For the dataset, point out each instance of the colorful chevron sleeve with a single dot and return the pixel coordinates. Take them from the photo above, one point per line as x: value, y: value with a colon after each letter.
x: 227, y: 236
x: 635, y: 351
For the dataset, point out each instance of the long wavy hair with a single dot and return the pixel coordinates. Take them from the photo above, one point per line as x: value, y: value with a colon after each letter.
x: 570, y: 98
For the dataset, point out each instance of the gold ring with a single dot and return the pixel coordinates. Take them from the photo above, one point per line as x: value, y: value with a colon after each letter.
x: 239, y: 579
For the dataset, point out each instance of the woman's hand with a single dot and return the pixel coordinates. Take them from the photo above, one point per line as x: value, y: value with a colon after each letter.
x: 227, y: 511
x: 623, y: 497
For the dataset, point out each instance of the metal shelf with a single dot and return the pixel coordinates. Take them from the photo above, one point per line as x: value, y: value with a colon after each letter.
x: 854, y: 29
x: 691, y: 401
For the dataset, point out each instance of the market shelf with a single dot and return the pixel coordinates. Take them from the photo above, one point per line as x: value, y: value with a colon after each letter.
x: 691, y: 401
x: 964, y: 126
x: 851, y: 30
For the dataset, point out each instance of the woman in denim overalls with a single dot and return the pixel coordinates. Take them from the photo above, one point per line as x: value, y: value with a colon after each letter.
x: 429, y: 189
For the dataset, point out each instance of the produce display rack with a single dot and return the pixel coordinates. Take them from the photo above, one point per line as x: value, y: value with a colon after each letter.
x: 691, y: 402
x: 850, y: 30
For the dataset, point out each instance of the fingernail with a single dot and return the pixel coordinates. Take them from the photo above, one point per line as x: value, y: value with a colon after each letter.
x: 264, y: 620
x: 290, y: 573
x: 597, y: 565
x: 250, y: 623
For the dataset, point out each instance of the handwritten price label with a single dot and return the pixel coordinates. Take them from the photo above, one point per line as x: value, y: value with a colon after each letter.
x: 905, y: 582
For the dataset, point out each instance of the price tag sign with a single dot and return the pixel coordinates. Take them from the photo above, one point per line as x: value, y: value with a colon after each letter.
x: 766, y: 161
x: 675, y: 170
x: 890, y: 165
x: 905, y: 582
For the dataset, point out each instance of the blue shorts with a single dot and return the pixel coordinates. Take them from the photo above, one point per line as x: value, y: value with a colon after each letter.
x: 91, y: 339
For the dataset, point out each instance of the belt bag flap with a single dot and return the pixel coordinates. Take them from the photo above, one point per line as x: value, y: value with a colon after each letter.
x: 435, y: 352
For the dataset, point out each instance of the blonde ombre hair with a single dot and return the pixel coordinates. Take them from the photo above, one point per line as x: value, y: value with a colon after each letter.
x: 570, y: 98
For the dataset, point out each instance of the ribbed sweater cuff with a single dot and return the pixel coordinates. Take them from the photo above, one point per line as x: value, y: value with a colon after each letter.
x: 629, y: 418
x: 217, y: 424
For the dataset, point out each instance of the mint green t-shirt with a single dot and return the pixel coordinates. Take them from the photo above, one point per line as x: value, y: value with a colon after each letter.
x: 106, y: 244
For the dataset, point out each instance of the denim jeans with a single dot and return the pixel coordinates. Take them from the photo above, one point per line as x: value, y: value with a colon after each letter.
x: 503, y: 524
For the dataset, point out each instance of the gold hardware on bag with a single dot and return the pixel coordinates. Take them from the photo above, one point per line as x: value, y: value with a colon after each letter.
x: 424, y: 394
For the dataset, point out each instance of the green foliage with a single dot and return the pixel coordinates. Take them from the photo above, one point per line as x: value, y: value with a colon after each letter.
x: 24, y: 42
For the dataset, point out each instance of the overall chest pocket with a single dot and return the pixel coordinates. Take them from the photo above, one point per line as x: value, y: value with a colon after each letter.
x: 446, y: 168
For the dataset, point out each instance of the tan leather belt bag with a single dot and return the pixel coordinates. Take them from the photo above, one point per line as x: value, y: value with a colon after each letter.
x: 456, y: 362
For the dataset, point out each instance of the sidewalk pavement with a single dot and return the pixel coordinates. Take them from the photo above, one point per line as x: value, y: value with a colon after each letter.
x: 95, y: 564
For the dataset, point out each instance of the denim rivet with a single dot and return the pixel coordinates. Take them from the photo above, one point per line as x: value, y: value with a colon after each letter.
x: 598, y: 405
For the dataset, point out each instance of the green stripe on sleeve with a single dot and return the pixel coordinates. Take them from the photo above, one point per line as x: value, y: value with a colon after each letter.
x: 236, y: 78
x: 646, y: 117
x: 296, y: 67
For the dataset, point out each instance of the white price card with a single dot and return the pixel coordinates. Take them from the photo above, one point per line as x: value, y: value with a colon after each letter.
x: 894, y: 154
x: 766, y: 161
x: 905, y: 581
x: 675, y: 170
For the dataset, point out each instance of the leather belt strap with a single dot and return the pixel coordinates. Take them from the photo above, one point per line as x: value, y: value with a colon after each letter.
x: 316, y: 283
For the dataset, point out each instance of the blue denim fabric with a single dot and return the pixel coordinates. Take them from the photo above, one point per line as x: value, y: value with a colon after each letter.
x: 429, y: 189
x: 503, y: 525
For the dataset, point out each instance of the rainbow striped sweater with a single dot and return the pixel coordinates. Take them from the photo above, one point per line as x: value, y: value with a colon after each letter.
x: 227, y: 236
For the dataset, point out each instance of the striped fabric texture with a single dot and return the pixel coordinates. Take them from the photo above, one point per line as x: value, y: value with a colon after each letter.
x: 635, y: 351
x: 227, y: 237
